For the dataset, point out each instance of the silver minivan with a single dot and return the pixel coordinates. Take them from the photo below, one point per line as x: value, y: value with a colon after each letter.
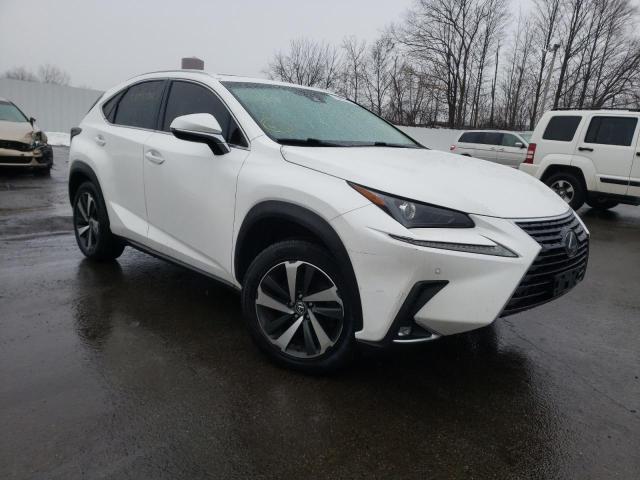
x: 506, y: 148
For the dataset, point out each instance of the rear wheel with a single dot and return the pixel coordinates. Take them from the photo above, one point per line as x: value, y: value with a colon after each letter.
x: 299, y: 307
x: 601, y: 203
x: 91, y: 225
x: 569, y: 187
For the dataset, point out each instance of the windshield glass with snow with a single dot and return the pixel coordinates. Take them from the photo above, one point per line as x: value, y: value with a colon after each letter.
x: 300, y: 116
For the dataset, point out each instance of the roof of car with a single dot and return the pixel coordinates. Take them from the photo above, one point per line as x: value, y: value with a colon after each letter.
x: 230, y: 78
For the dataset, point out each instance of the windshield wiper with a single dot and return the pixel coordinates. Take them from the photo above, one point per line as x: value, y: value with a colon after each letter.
x: 391, y: 145
x: 308, y: 142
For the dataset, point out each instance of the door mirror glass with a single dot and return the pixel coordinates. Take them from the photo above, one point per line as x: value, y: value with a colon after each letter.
x: 201, y: 128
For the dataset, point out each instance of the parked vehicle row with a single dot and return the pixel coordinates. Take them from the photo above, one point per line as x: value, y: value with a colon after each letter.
x: 336, y: 226
x: 590, y: 156
x: 505, y: 148
x: 22, y: 144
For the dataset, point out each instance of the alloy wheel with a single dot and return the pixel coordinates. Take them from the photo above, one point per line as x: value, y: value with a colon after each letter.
x: 564, y: 189
x: 299, y: 309
x: 86, y: 221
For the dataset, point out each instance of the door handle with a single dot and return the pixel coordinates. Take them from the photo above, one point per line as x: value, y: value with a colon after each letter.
x: 585, y: 149
x: 154, y: 157
x: 100, y: 140
x: 637, y: 154
x: 501, y: 149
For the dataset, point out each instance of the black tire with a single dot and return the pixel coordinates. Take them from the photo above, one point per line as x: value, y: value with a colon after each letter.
x: 96, y: 242
x: 303, y: 256
x: 601, y: 203
x: 578, y: 190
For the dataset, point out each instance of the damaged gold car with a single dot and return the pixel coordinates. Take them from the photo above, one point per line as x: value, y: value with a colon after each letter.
x: 21, y: 143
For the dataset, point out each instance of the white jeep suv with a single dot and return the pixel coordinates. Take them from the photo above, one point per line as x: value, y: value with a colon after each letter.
x: 336, y: 226
x: 588, y: 156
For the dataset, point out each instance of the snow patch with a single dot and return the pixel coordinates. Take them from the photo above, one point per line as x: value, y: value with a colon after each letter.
x: 59, y: 139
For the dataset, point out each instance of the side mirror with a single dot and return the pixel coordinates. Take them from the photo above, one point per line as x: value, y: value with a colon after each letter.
x: 201, y: 128
x: 518, y: 145
x: 32, y: 121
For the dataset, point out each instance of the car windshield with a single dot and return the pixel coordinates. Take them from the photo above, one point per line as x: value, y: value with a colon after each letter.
x: 300, y: 116
x: 526, y: 136
x: 9, y: 113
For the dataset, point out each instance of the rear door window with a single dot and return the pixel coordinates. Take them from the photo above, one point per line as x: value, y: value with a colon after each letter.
x: 140, y: 104
x: 186, y: 98
x: 562, y: 128
x: 492, y: 138
x: 611, y: 130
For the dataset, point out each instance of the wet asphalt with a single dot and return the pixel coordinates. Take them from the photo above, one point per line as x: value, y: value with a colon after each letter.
x: 140, y: 369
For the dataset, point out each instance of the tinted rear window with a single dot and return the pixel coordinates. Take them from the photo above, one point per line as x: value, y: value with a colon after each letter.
x: 611, y: 130
x: 139, y: 105
x: 562, y: 128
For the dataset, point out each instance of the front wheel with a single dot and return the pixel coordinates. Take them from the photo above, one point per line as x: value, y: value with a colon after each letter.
x: 299, y: 307
x: 568, y: 187
x: 91, y: 225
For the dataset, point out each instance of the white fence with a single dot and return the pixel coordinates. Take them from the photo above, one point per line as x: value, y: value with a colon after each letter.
x: 56, y: 108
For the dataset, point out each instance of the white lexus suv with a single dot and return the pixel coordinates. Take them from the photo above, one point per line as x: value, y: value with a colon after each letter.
x: 335, y: 225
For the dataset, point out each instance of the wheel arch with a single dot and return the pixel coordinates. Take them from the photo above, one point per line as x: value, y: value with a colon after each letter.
x: 273, y: 221
x: 79, y: 173
x: 555, y: 168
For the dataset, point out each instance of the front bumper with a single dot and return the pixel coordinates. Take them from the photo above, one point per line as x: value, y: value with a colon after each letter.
x: 40, y: 157
x: 478, y: 287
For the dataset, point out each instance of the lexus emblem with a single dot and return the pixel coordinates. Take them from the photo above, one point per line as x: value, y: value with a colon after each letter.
x: 570, y: 242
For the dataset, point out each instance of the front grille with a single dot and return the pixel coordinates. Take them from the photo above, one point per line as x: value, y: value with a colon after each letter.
x: 11, y: 145
x: 15, y: 160
x: 552, y: 265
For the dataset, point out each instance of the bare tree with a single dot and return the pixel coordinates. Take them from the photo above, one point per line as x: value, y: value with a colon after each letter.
x: 354, y: 66
x: 20, y: 73
x: 48, y: 73
x: 309, y: 63
x: 377, y: 73
x: 545, y: 26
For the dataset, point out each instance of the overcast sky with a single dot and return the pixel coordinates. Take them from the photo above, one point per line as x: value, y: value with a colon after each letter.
x: 100, y: 43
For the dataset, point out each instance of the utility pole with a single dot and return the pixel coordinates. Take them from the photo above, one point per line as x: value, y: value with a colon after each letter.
x: 553, y: 49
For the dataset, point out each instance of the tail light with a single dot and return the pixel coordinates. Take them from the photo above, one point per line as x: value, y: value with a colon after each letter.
x: 452, y: 148
x: 531, y: 151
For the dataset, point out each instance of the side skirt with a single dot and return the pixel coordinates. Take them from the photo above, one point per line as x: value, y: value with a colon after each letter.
x: 161, y: 256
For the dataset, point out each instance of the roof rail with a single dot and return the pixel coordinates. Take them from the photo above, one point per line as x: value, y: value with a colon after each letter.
x: 568, y: 109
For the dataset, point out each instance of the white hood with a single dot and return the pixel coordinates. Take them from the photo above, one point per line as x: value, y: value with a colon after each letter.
x: 430, y: 176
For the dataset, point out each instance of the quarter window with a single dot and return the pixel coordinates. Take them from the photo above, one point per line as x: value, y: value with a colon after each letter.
x: 109, y: 107
x: 611, y: 130
x: 509, y: 140
x: 139, y: 105
x: 186, y: 98
x: 561, y: 128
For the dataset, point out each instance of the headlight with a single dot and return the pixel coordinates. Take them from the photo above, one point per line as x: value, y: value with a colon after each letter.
x: 413, y: 214
x: 36, y: 139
